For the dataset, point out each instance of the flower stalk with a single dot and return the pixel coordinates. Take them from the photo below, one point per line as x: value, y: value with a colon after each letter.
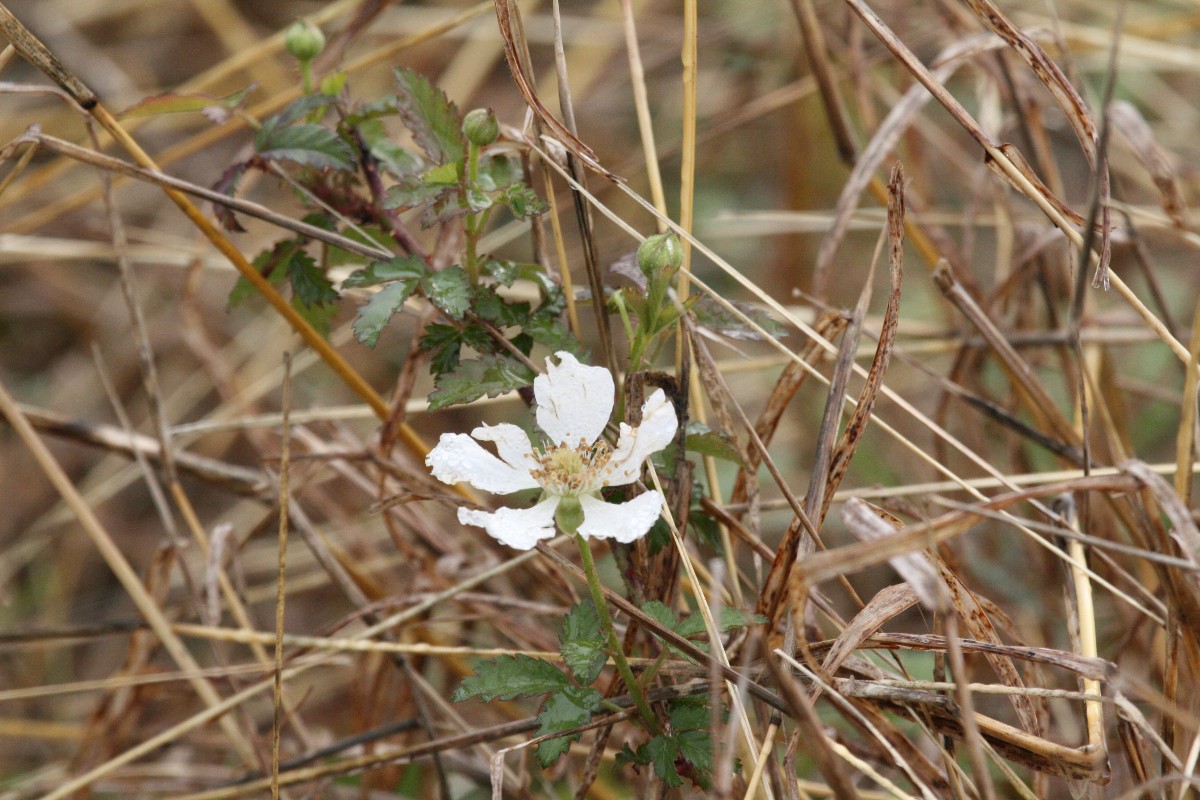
x: 614, y: 644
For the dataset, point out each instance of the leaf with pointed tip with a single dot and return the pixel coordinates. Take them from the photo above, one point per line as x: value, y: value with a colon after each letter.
x: 228, y: 184
x: 450, y: 290
x: 443, y: 343
x: 568, y: 708
x: 393, y: 269
x: 707, y: 442
x: 374, y: 316
x: 509, y: 677
x: 305, y: 144
x: 582, y: 645
x: 432, y: 119
x: 523, y: 201
x: 490, y: 375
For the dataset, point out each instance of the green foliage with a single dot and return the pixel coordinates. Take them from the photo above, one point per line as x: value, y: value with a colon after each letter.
x: 685, y: 749
x: 569, y: 705
x: 490, y: 375
x: 287, y: 262
x: 431, y: 118
x: 582, y: 642
x: 707, y: 442
x: 510, y: 677
x: 375, y: 315
x: 717, y: 318
x: 523, y: 201
x: 444, y: 343
x: 450, y: 290
x: 693, y: 624
x: 348, y: 159
x: 568, y: 708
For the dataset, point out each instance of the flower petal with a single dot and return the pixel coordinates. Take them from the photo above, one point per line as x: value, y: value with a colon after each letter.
x: 512, y: 444
x: 458, y: 457
x: 521, y: 528
x: 624, y: 522
x: 574, y: 401
x: 635, y: 445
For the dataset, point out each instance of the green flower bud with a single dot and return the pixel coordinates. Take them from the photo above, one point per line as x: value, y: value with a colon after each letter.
x: 304, y: 40
x: 660, y: 254
x: 480, y: 127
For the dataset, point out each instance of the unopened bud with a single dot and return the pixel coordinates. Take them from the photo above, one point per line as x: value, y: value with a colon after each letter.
x: 660, y: 253
x: 480, y: 127
x: 304, y: 40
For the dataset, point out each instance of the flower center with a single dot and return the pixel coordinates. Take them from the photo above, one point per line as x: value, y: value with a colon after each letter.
x: 572, y: 471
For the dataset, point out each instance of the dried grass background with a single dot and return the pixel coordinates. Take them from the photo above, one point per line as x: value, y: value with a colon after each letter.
x: 953, y: 674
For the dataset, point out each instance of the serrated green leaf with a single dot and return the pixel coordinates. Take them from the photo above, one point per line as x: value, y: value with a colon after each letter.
x: 490, y: 375
x: 523, y: 201
x: 272, y: 264
x: 450, y: 290
x: 375, y: 314
x: 371, y: 235
x: 309, y: 281
x: 443, y: 175
x: 477, y: 200
x: 412, y: 193
x: 739, y: 618
x: 371, y: 112
x: 551, y: 750
x: 393, y: 269
x: 706, y: 529
x: 333, y: 83
x: 548, y: 330
x: 242, y: 291
x: 696, y: 748
x: 509, y: 677
x: 701, y: 439
x: 661, y: 751
x: 432, y: 119
x: 227, y: 185
x: 691, y: 715
x: 300, y: 108
x: 731, y: 618
x: 305, y: 144
x: 661, y: 614
x: 495, y: 309
x: 658, y: 537
x: 318, y: 315
x: 505, y: 272
x: 395, y: 159
x: 719, y: 319
x: 568, y: 708
x: 442, y: 342
x: 583, y: 643
x: 498, y: 172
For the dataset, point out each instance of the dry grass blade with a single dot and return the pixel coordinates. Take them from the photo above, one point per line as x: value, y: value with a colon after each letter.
x: 866, y: 401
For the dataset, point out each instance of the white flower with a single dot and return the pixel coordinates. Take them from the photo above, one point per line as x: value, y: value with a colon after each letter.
x: 574, y: 403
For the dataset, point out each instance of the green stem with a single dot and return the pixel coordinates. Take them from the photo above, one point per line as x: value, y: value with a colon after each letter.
x: 306, y: 75
x: 614, y: 644
x: 473, y: 223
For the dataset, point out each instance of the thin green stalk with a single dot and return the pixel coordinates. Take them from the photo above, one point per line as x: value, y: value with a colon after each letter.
x: 474, y: 223
x: 614, y: 644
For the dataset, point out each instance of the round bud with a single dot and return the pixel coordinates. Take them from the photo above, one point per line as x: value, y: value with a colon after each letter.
x: 304, y: 40
x: 660, y: 253
x: 480, y: 127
